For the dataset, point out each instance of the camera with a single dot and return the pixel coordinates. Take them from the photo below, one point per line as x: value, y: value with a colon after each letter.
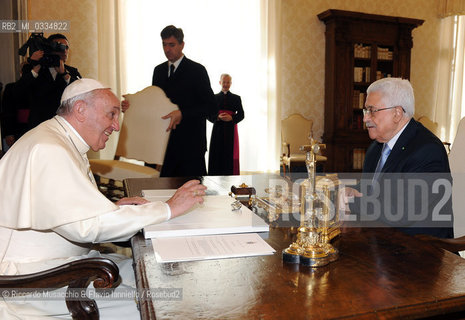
x: 37, y: 41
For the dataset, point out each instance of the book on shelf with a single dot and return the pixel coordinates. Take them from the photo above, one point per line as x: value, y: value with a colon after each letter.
x: 384, y: 54
x: 361, y: 51
x: 362, y: 74
x: 361, y: 100
x: 358, y: 101
x: 367, y: 74
x: 358, y: 74
x: 358, y: 158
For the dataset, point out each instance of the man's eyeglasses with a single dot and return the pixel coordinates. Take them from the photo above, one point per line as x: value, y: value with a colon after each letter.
x: 369, y: 111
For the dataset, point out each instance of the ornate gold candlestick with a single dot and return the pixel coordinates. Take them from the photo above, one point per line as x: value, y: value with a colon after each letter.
x: 317, y: 227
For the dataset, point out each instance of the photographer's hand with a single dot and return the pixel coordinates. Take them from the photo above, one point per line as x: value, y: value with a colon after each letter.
x: 36, y: 56
x: 62, y: 71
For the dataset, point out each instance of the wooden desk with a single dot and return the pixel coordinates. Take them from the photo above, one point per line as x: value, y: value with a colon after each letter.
x: 381, y: 274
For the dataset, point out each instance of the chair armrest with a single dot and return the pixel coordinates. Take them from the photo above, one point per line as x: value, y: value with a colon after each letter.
x: 452, y: 245
x: 77, y: 276
x: 447, y: 145
x: 286, y: 146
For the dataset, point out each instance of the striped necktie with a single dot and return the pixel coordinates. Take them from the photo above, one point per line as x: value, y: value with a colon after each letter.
x: 382, y: 160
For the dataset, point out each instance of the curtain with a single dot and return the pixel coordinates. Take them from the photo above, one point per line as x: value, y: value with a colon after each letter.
x: 111, y: 62
x: 273, y: 87
x: 239, y: 37
x: 450, y: 105
x: 451, y: 7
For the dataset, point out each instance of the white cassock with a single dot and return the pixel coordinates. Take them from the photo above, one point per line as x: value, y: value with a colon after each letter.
x: 51, y: 211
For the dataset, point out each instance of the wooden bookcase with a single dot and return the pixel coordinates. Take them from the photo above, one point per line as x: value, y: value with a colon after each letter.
x: 360, y: 48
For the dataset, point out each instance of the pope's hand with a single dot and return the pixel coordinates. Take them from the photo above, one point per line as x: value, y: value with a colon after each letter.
x: 186, y: 197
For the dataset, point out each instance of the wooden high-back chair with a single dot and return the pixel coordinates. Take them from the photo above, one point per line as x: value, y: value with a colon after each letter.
x: 143, y: 137
x: 434, y: 128
x: 295, y: 132
x: 457, y: 168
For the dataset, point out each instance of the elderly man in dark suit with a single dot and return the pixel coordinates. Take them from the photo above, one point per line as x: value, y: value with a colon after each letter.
x: 187, y: 84
x: 406, y: 176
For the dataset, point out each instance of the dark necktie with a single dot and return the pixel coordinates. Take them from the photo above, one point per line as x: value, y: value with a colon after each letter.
x: 171, y: 70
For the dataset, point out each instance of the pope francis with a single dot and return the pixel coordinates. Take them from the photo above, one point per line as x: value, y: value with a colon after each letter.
x: 51, y: 210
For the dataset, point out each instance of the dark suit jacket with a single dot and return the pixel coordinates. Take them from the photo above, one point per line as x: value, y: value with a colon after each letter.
x: 220, y: 160
x: 190, y: 89
x: 417, y: 161
x: 14, y: 102
x: 44, y: 93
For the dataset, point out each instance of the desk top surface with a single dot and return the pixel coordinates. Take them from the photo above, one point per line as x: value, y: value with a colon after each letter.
x: 380, y: 273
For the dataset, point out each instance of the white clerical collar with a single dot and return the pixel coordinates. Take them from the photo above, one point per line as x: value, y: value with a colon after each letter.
x: 176, y: 63
x: 393, y: 140
x: 74, y: 131
x: 225, y: 92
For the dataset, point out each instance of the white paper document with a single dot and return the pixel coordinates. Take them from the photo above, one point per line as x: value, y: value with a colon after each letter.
x: 210, y: 247
x: 214, y: 216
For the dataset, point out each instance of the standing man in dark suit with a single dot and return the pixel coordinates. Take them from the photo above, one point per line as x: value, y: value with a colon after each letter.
x: 45, y: 84
x: 187, y: 84
x: 406, y: 176
x: 14, y: 113
x: 224, y: 144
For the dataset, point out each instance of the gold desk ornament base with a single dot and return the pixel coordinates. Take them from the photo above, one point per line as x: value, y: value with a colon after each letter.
x: 331, y: 251
x: 315, y: 256
x: 292, y: 254
x: 311, y: 256
x: 319, y: 221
